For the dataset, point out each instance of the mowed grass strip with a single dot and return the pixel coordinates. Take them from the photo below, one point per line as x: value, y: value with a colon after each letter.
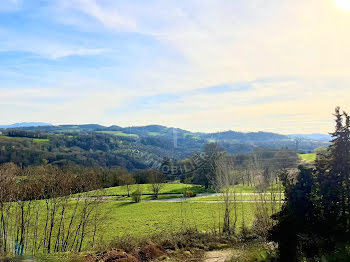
x: 243, y: 197
x: 178, y: 188
x: 308, y: 157
x: 168, y: 188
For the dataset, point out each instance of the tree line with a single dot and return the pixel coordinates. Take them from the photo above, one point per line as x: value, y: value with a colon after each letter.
x: 260, y: 168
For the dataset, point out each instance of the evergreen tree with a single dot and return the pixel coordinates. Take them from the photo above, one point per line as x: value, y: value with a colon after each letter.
x: 293, y: 231
x: 314, y: 220
x: 333, y: 187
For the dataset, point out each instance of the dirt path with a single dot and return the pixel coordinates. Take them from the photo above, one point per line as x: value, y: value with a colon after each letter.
x: 218, y: 255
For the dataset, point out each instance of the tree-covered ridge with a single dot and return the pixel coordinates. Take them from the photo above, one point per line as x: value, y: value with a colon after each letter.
x: 130, y: 148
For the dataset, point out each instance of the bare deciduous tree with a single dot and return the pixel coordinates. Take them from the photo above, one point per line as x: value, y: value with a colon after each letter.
x: 60, y: 222
x: 156, y: 180
x: 224, y: 180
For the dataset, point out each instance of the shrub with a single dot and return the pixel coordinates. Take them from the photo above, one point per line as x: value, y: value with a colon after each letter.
x: 189, y: 193
x: 136, y: 196
x: 262, y: 222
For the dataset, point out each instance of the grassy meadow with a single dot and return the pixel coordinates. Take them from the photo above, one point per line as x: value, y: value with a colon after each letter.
x: 153, y: 217
x: 125, y: 218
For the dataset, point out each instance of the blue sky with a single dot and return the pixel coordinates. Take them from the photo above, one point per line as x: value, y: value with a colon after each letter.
x: 202, y: 65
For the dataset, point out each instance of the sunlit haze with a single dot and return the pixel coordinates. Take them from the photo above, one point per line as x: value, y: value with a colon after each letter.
x: 343, y: 4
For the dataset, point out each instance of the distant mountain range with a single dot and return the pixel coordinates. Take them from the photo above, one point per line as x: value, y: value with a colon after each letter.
x: 25, y: 124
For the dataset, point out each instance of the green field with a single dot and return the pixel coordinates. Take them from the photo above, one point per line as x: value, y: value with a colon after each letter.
x: 308, y: 157
x: 152, y: 218
x: 125, y: 220
x: 41, y: 140
x: 119, y: 133
x: 37, y: 140
x: 122, y: 219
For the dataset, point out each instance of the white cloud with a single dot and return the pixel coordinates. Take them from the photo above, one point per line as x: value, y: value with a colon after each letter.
x: 214, y: 42
x: 228, y: 41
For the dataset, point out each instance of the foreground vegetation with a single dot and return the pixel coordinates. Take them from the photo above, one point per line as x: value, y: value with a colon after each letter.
x: 46, y: 210
x: 116, y: 220
x: 53, y: 211
x: 313, y: 224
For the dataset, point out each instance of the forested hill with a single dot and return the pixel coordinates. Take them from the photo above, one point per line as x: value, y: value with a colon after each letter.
x: 131, y: 147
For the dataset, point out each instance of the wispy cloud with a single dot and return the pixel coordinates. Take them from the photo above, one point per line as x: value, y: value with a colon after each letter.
x: 74, y: 52
x: 108, y: 15
x: 201, y: 65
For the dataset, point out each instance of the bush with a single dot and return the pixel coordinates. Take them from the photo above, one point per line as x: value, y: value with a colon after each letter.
x: 189, y: 193
x: 136, y: 196
x: 262, y: 222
